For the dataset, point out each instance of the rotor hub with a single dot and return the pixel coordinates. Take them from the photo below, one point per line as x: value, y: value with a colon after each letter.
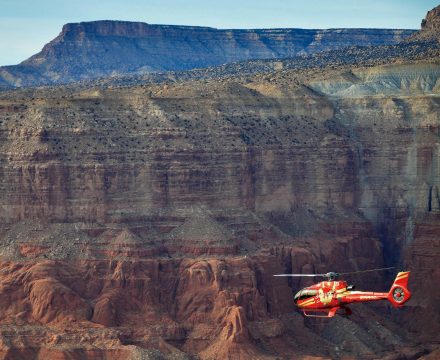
x: 331, y: 276
x: 398, y: 294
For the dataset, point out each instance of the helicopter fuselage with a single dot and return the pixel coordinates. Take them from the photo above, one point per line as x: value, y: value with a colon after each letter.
x: 330, y: 296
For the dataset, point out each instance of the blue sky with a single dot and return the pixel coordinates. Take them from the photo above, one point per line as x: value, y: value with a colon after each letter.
x: 26, y: 25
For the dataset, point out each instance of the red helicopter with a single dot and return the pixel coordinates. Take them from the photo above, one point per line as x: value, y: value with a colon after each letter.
x: 330, y: 296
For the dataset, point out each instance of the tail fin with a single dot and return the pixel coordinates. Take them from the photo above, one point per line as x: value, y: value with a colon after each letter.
x: 399, y: 293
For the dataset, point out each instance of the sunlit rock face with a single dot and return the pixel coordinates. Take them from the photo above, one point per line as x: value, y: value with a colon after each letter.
x: 430, y: 27
x: 91, y: 50
x: 431, y: 21
x: 148, y: 221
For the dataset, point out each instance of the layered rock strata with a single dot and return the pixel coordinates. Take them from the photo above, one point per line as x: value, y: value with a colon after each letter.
x: 97, y: 49
x: 148, y: 221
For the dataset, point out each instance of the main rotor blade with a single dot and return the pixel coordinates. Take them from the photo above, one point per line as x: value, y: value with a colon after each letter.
x: 364, y: 271
x: 298, y: 275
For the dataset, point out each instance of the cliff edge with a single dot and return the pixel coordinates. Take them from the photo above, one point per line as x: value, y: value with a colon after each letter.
x: 97, y: 49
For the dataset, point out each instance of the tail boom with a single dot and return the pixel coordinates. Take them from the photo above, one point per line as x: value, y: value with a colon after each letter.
x: 398, y: 294
x: 361, y: 296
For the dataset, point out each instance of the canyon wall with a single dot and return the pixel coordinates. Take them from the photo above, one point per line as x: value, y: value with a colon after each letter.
x: 90, y: 50
x: 148, y: 221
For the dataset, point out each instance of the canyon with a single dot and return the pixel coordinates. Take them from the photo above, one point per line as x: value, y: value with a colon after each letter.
x: 98, y: 49
x: 146, y: 221
x: 153, y: 217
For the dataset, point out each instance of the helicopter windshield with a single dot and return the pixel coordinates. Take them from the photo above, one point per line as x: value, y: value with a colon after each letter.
x: 304, y: 294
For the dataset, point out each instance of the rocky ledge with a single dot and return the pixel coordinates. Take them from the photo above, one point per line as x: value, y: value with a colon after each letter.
x: 98, y: 49
x: 149, y: 220
x: 146, y: 220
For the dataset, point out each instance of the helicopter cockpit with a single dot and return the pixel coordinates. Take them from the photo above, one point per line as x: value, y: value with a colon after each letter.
x: 304, y: 294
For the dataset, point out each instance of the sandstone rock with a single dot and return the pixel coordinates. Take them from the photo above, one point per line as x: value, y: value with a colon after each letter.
x: 293, y: 171
x: 430, y: 28
x: 108, y: 48
x: 432, y: 20
x: 201, y: 234
x: 51, y: 301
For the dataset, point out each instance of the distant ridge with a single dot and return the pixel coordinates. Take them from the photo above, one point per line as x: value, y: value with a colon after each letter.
x: 90, y: 50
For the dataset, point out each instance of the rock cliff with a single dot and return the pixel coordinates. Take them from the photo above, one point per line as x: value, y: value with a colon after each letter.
x: 432, y: 20
x: 430, y: 27
x: 144, y: 220
x: 108, y: 48
x: 149, y: 220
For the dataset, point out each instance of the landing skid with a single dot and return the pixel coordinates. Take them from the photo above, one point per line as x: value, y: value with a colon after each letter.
x: 328, y: 313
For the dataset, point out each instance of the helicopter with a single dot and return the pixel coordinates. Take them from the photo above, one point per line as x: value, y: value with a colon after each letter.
x: 324, y: 299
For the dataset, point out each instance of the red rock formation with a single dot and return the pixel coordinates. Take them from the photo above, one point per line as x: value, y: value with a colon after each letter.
x: 149, y: 221
x: 213, y: 307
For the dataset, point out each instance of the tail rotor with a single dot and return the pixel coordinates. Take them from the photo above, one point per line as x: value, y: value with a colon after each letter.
x: 399, y: 293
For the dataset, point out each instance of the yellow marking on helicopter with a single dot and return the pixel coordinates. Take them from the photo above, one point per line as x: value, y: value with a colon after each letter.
x: 307, y: 302
x: 402, y: 275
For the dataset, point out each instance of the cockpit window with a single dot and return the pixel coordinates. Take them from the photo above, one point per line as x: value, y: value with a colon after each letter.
x: 304, y: 294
